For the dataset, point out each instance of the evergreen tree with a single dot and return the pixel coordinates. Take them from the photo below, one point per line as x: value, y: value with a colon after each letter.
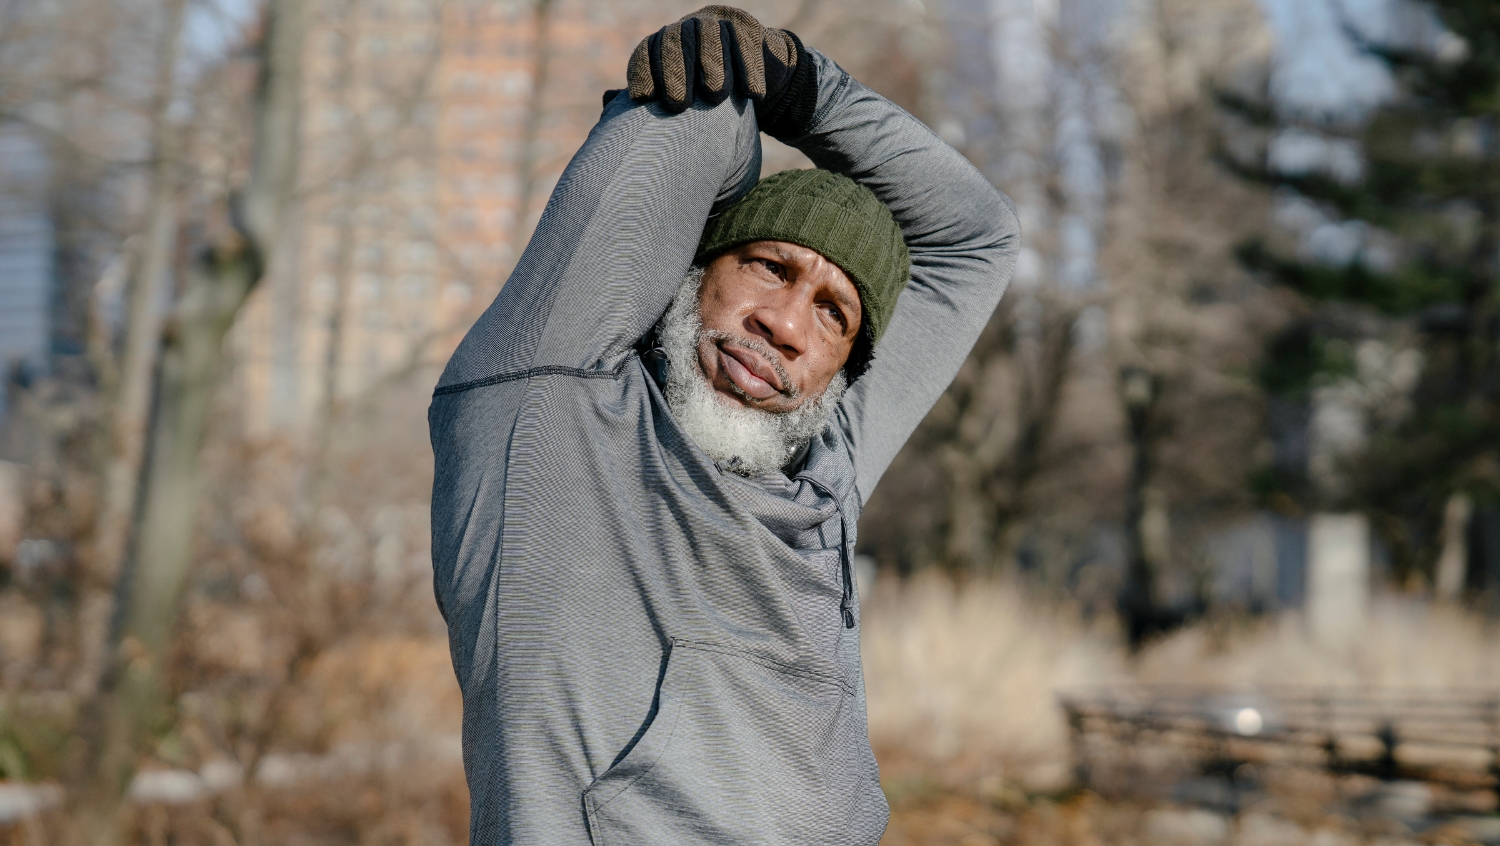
x: 1424, y: 200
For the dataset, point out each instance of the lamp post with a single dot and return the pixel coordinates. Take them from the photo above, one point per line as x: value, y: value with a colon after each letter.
x: 1136, y: 602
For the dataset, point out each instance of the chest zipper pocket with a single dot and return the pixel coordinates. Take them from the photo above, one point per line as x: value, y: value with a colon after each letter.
x: 846, y: 562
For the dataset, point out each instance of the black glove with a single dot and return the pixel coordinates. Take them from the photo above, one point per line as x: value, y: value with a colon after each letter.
x: 719, y: 50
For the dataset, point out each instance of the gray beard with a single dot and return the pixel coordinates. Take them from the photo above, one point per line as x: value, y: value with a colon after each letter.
x: 741, y: 439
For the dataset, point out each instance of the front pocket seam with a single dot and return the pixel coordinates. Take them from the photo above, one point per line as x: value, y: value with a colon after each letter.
x: 768, y: 663
x: 676, y: 719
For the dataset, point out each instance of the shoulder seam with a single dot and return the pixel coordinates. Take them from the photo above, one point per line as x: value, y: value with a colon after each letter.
x: 549, y: 370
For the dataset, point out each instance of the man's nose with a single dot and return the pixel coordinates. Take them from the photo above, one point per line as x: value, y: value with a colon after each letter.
x: 781, y: 320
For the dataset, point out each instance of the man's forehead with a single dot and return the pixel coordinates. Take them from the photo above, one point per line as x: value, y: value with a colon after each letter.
x: 797, y: 254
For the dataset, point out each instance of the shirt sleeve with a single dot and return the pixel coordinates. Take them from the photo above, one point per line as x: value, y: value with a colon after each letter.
x: 963, y: 235
x: 614, y: 242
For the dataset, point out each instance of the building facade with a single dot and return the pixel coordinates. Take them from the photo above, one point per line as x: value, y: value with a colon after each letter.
x: 434, y: 132
x: 27, y: 249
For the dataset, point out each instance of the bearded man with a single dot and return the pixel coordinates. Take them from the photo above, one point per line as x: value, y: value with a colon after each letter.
x: 653, y: 448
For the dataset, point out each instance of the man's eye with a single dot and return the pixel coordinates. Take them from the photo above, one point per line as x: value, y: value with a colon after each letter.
x: 837, y: 314
x: 773, y: 268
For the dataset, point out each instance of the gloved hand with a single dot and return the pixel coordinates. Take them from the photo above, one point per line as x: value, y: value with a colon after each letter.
x: 719, y: 50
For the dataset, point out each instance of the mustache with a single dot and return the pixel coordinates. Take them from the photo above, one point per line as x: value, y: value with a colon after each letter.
x: 756, y: 345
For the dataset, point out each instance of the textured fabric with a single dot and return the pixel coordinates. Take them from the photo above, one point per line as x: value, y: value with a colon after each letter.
x: 651, y: 650
x: 832, y: 214
x: 719, y: 50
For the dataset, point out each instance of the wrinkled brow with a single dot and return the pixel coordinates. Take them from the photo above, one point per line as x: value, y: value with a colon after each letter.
x: 850, y: 304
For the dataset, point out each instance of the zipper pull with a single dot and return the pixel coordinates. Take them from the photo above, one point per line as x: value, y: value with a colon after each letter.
x: 848, y: 574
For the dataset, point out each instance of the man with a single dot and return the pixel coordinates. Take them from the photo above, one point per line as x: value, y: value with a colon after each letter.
x: 654, y: 446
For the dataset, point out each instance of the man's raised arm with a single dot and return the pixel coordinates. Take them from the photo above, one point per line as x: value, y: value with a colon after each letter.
x: 614, y: 242
x: 963, y: 236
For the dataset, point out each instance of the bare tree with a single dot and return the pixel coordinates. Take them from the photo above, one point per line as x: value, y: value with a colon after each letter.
x: 146, y: 293
x: 1091, y: 119
x: 133, y: 704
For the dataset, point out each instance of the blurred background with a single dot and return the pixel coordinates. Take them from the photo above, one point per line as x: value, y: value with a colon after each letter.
x: 1201, y: 547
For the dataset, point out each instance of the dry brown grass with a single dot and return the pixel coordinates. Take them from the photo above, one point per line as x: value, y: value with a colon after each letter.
x: 962, y: 700
x: 965, y: 679
x: 961, y: 681
x: 1402, y: 643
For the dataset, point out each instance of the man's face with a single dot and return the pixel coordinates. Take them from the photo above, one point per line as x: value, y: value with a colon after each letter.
x: 779, y: 320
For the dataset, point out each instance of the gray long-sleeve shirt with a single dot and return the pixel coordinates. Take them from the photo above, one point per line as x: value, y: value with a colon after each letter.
x: 652, y: 650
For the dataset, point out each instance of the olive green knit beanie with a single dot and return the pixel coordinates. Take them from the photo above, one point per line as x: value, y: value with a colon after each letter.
x: 839, y: 218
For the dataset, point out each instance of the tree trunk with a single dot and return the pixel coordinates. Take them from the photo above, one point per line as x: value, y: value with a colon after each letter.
x: 135, y: 707
x: 347, y: 199
x: 148, y: 290
x: 134, y: 704
x: 1044, y: 362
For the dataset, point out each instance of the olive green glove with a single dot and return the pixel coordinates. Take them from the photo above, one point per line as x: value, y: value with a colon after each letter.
x: 720, y: 50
